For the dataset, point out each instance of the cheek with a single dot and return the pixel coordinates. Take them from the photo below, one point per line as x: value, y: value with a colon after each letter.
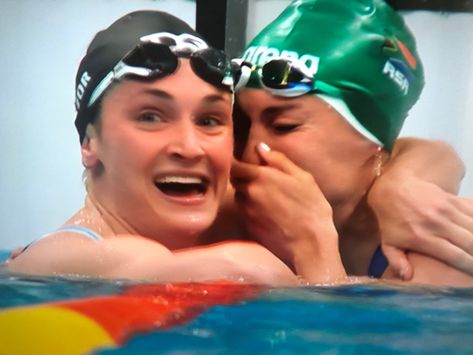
x: 308, y: 152
x: 123, y: 153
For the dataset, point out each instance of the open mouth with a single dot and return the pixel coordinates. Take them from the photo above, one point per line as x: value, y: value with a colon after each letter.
x: 182, y: 186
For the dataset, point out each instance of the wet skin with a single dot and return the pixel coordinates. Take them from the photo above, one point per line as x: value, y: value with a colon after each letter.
x: 162, y: 156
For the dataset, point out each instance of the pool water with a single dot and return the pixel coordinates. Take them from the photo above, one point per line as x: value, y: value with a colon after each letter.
x: 314, y: 320
x: 374, y: 318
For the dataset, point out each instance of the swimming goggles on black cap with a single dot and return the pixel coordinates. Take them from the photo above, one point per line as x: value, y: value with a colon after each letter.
x: 157, y: 55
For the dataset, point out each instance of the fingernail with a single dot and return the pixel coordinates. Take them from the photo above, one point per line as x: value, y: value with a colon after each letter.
x: 264, y: 147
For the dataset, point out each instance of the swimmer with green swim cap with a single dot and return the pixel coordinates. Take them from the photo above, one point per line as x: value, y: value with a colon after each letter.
x: 322, y: 95
x: 359, y: 56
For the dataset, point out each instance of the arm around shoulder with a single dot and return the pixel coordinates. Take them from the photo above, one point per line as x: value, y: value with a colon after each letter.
x: 416, y: 207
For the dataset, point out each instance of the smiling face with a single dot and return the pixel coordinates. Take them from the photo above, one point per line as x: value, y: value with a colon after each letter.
x: 315, y: 137
x: 163, y: 151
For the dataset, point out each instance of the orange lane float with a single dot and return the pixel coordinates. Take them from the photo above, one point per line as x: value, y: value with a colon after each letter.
x: 80, y: 326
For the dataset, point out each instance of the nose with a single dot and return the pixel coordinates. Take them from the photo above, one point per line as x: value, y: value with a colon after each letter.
x: 255, y: 136
x: 185, y: 142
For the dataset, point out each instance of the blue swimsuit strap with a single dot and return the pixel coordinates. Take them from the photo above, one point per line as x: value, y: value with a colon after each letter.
x: 86, y: 232
x: 89, y: 233
x: 378, y: 263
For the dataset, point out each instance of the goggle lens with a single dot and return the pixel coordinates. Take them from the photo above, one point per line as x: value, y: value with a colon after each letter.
x: 209, y: 64
x: 151, y: 60
x: 281, y: 77
x: 213, y: 66
x: 275, y: 74
x: 155, y: 57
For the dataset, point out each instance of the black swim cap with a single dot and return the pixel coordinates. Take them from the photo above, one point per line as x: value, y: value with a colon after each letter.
x: 109, y: 46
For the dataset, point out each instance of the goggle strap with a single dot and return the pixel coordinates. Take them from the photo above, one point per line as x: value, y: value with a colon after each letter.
x: 228, y: 81
x: 120, y: 70
x: 245, y: 74
x: 183, y: 41
x: 101, y: 87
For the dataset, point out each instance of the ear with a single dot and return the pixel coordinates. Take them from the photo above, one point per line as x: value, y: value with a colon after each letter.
x: 89, y: 148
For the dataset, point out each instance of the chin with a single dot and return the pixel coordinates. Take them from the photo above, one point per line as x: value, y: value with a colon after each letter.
x: 190, y: 226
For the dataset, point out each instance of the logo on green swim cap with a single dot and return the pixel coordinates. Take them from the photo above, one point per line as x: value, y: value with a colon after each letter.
x: 361, y: 49
x: 261, y: 55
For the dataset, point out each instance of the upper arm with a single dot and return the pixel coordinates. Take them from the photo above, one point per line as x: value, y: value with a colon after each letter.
x: 434, y: 161
x: 133, y: 257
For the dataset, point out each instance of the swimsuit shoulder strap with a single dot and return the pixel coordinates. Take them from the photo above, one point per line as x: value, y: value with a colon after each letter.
x: 89, y: 233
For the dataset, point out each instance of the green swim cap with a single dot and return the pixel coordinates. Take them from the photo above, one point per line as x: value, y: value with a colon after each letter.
x: 362, y: 54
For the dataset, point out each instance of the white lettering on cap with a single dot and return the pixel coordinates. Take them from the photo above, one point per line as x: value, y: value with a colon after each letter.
x: 397, y: 76
x: 261, y: 55
x: 80, y: 90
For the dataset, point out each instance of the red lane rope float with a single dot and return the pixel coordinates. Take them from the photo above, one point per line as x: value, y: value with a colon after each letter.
x: 80, y: 326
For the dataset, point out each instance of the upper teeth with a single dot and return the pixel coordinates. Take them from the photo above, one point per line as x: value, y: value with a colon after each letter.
x: 180, y: 179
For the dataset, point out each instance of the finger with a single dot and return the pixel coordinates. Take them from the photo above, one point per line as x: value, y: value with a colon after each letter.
x: 277, y: 159
x: 244, y: 171
x: 457, y: 229
x: 446, y: 252
x: 240, y: 200
x: 241, y: 189
x: 250, y: 196
x: 398, y: 261
x: 464, y: 204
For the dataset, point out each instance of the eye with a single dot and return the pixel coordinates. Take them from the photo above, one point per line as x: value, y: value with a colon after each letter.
x: 150, y: 117
x: 284, y: 127
x: 210, y: 121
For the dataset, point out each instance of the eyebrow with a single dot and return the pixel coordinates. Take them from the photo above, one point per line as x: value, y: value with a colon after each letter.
x: 273, y: 111
x: 214, y: 98
x: 165, y: 95
x: 158, y: 93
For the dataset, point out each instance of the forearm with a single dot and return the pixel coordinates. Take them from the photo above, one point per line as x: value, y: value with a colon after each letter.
x: 429, y: 271
x: 416, y: 207
x: 133, y: 257
x: 246, y: 262
x: 415, y: 166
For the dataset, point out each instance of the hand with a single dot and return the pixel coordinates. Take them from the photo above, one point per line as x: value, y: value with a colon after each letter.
x: 415, y: 215
x: 287, y: 213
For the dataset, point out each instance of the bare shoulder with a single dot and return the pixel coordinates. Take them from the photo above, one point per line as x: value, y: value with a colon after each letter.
x: 70, y: 253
